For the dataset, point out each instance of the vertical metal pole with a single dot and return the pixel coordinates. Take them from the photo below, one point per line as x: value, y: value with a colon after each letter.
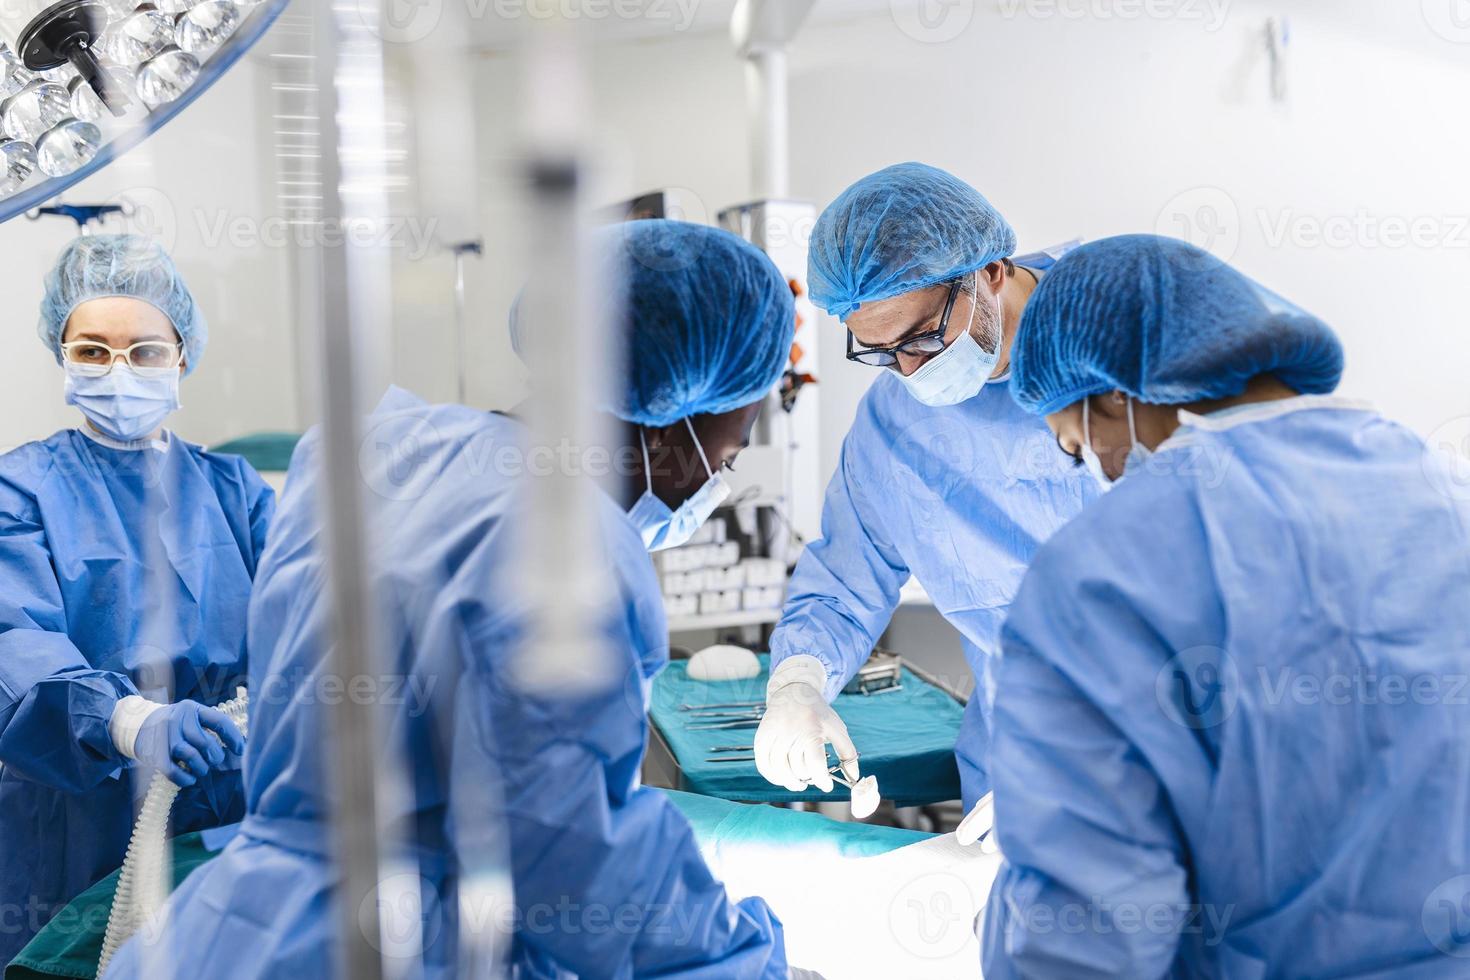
x: 461, y: 342
x: 353, y: 746
x: 765, y: 80
x: 461, y: 328
x: 566, y: 577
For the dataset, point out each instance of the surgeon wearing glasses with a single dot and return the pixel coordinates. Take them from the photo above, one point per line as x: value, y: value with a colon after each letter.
x: 942, y: 477
x: 126, y: 560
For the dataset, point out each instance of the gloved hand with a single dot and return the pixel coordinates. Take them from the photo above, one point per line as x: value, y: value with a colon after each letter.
x: 791, y: 742
x: 186, y: 740
x: 979, y: 825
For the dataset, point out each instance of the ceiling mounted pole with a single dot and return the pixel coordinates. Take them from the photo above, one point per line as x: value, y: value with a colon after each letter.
x: 761, y: 29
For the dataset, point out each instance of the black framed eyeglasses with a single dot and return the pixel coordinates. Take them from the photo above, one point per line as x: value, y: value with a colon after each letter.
x: 924, y: 345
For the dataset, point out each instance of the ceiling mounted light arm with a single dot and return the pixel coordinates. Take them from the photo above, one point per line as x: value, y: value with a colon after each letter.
x: 65, y: 33
x: 152, y: 59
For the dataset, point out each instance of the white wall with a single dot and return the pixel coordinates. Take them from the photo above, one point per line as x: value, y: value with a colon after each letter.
x: 207, y: 170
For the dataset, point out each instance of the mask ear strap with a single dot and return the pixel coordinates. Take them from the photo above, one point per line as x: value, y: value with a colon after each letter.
x: 1132, y: 432
x: 974, y: 299
x: 703, y: 458
x: 647, y: 467
x: 1086, y: 422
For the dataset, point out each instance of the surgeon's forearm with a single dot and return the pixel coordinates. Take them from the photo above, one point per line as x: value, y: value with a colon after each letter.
x: 837, y: 618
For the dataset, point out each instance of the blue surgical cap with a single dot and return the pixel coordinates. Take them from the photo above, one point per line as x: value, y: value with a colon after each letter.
x: 903, y: 228
x: 707, y: 320
x: 100, y: 266
x: 1165, y: 322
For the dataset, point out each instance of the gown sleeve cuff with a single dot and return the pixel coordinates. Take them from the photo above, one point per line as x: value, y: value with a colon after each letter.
x: 799, y: 668
x: 127, y: 720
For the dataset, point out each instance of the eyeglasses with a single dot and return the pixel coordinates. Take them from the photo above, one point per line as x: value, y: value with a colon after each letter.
x: 150, y: 355
x: 924, y: 345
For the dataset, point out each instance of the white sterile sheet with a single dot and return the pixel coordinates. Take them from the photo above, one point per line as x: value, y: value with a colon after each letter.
x: 907, y: 914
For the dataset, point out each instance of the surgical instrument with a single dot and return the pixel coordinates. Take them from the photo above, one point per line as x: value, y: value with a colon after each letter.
x: 728, y: 704
x: 744, y: 723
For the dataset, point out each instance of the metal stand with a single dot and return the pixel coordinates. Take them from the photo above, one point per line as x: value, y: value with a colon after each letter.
x: 462, y: 250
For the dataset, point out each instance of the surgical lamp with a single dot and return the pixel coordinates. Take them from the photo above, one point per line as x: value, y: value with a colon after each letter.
x: 82, y: 81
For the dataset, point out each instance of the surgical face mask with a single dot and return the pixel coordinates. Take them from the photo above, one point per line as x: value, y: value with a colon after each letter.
x: 1138, y: 453
x: 123, y: 404
x: 958, y: 372
x: 664, y: 528
x: 1090, y: 458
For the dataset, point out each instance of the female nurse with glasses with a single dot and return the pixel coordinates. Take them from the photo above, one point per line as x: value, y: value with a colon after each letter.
x: 126, y: 561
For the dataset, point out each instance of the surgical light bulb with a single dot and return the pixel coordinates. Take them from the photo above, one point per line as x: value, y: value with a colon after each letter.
x: 35, y: 109
x: 137, y: 38
x: 85, y: 103
x: 119, y: 9
x: 19, y: 161
x: 167, y: 77
x: 68, y: 147
x: 176, y: 6
x: 206, y: 26
x: 13, y: 75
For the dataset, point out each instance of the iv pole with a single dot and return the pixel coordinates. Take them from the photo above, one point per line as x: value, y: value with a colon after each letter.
x: 461, y: 250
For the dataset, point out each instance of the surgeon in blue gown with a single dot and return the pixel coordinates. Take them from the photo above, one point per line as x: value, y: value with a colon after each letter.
x: 941, y: 478
x: 606, y: 876
x: 1231, y: 726
x: 126, y: 558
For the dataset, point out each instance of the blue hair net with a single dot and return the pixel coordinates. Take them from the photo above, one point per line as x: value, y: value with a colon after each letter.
x: 1165, y: 322
x: 99, y: 266
x: 707, y: 320
x: 903, y: 228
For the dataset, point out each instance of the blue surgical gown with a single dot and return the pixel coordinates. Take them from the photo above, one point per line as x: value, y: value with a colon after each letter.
x: 608, y: 881
x: 121, y: 572
x: 1232, y: 734
x: 958, y: 497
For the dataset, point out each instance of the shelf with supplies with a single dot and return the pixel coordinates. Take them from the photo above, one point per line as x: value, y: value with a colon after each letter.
x: 720, y: 621
x: 724, y: 577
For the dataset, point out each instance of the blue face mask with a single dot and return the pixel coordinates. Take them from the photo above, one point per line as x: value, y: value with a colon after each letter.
x: 958, y: 372
x: 123, y: 404
x: 664, y: 528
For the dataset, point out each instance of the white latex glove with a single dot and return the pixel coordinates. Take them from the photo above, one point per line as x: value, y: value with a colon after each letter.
x: 791, y: 742
x: 980, y: 823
